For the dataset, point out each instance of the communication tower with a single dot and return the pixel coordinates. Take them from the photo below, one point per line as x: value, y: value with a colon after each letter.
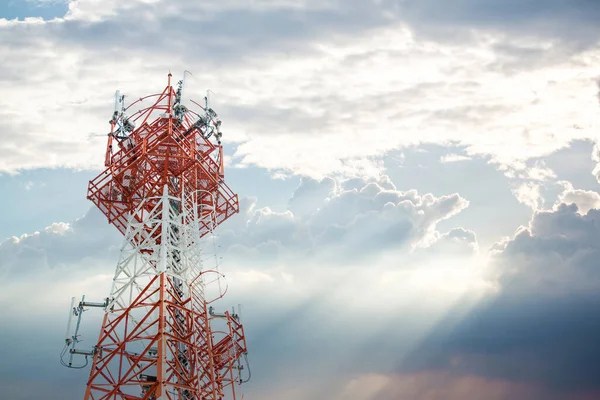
x: 163, y: 189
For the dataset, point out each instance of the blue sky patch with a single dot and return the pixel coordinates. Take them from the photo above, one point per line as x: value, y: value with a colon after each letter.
x: 46, y: 9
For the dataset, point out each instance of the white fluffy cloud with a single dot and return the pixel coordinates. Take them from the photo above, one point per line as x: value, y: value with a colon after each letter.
x: 585, y: 200
x: 324, y: 98
x: 85, y: 244
x: 330, y: 228
x: 528, y: 194
x: 555, y: 255
x: 344, y: 222
x: 339, y: 221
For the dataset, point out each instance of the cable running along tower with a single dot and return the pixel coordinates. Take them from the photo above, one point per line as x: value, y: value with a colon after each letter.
x: 163, y: 189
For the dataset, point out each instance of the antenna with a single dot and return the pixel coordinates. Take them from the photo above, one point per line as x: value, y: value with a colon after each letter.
x: 163, y: 188
x: 72, y: 340
x: 179, y: 108
x: 183, y: 84
x: 68, y: 334
x: 117, y: 100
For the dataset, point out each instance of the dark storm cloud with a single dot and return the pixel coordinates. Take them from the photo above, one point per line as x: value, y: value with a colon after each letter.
x: 543, y: 326
x: 551, y: 342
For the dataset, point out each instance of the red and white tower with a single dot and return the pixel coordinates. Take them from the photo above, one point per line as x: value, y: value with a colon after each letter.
x: 163, y: 189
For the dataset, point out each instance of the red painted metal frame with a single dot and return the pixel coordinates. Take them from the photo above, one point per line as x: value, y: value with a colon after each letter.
x: 151, y: 156
x: 117, y: 372
x: 142, y: 336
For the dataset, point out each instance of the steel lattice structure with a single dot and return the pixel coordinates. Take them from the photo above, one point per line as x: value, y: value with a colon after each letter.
x: 163, y: 189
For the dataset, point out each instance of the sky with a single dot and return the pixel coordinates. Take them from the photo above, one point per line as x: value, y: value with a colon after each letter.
x: 418, y: 180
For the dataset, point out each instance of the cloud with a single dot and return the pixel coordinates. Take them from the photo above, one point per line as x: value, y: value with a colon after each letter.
x: 596, y: 159
x: 358, y: 83
x: 311, y: 196
x: 541, y: 327
x: 458, y: 241
x: 344, y: 222
x: 533, y: 183
x: 537, y: 18
x: 333, y: 220
x: 328, y: 92
x: 453, y: 158
x: 86, y: 243
x: 528, y: 194
x: 585, y: 200
x: 556, y: 252
x: 283, y: 301
x: 431, y: 385
x: 437, y: 386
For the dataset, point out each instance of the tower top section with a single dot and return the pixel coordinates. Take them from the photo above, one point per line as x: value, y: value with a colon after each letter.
x: 158, y: 142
